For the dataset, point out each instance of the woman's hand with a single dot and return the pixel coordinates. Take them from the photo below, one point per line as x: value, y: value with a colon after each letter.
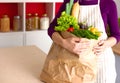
x: 73, y: 44
x: 79, y: 45
x: 76, y: 45
x: 103, y: 44
x: 99, y: 49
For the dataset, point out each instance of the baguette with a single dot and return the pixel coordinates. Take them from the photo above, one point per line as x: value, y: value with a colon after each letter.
x: 75, y: 9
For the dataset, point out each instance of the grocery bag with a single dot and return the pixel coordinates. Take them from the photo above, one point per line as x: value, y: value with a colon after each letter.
x: 62, y: 66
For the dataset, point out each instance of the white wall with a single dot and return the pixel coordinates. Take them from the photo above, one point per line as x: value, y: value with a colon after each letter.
x: 116, y: 56
x: 117, y: 68
x: 118, y: 6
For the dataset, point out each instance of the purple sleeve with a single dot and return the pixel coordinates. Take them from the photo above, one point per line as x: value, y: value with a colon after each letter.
x: 113, y: 21
x: 54, y: 22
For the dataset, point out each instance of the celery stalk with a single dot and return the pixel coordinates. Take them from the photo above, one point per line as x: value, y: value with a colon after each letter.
x: 71, y: 4
x: 69, y: 7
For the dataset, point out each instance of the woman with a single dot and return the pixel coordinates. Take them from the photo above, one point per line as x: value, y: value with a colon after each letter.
x: 107, y: 12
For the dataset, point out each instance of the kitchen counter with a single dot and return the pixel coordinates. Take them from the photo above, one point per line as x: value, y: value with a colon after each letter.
x: 116, y: 49
x: 24, y: 64
x: 21, y: 64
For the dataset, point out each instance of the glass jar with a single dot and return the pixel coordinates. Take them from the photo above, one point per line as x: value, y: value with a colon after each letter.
x: 29, y: 22
x: 44, y: 22
x: 16, y: 23
x: 5, y: 23
x: 36, y: 21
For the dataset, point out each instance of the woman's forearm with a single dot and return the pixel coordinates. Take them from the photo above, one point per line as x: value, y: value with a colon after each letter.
x: 111, y: 41
x: 56, y: 37
x: 103, y: 44
x: 73, y: 44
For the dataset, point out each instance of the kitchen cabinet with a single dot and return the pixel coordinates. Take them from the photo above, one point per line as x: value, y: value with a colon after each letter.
x: 24, y: 37
x: 40, y: 39
x: 11, y: 39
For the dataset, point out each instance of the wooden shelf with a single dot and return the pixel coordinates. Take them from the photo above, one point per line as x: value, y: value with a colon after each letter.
x: 40, y: 37
x: 31, y: 1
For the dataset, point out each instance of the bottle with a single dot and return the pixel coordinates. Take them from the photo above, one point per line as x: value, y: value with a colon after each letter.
x: 36, y: 21
x: 16, y: 23
x: 44, y: 22
x: 5, y: 24
x: 29, y: 22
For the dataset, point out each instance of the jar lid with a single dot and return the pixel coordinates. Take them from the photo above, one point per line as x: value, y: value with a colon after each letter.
x: 45, y: 15
x: 29, y: 14
x: 17, y: 17
x: 5, y: 16
x: 36, y: 14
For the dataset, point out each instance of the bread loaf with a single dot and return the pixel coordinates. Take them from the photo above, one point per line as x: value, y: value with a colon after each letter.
x: 75, y: 10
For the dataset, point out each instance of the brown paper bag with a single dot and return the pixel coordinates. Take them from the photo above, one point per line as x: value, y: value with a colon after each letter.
x: 62, y: 66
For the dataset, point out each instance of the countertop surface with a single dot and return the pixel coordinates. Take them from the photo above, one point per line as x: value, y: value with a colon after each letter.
x: 21, y: 64
x: 24, y: 64
x: 116, y: 49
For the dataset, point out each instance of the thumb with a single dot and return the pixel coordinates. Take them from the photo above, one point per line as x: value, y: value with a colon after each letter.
x: 101, y: 42
x: 76, y: 39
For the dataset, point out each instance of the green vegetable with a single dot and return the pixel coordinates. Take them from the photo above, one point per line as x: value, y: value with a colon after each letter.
x: 69, y: 23
x: 69, y: 7
x: 85, y: 34
x: 65, y: 21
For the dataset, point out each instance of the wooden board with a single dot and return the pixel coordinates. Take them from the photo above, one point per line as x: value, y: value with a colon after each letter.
x: 21, y: 64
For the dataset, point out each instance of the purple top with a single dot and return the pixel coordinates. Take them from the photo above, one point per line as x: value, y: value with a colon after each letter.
x: 108, y: 11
